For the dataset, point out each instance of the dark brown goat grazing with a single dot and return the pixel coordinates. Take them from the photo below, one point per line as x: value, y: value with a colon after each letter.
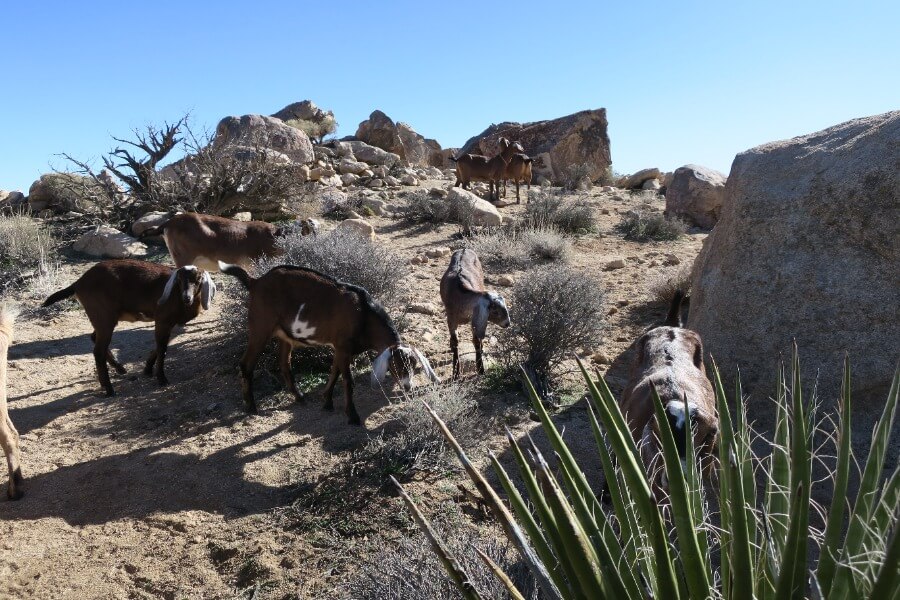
x: 475, y: 167
x: 518, y: 169
x: 132, y: 290
x: 466, y: 301
x: 204, y: 240
x: 302, y: 307
x: 9, y: 437
x: 669, y: 358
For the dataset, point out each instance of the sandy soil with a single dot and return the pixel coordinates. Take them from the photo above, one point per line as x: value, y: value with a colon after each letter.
x: 175, y: 493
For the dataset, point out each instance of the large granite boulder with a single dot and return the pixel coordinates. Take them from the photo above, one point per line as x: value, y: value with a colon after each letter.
x: 556, y: 145
x: 372, y: 154
x: 308, y: 118
x: 807, y: 247
x: 108, y: 242
x: 483, y: 212
x: 401, y: 139
x: 696, y: 194
x: 267, y: 133
x: 64, y: 192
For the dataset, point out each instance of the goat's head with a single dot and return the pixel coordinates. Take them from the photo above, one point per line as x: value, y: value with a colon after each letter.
x: 192, y: 285
x: 490, y: 309
x: 684, y: 416
x: 403, y: 362
x: 504, y: 143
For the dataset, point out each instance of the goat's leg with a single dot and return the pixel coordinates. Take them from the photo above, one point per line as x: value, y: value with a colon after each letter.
x: 102, y: 340
x: 454, y: 348
x: 284, y: 359
x: 518, y: 200
x: 110, y: 358
x: 504, y: 188
x: 163, y: 333
x: 350, y: 409
x: 255, y: 346
x: 9, y: 439
x: 479, y: 362
x: 329, y: 387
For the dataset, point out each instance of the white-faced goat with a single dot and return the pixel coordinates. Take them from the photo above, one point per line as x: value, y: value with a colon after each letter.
x: 9, y: 437
x: 467, y: 301
x: 518, y: 169
x: 302, y: 307
x: 475, y: 167
x: 132, y: 290
x: 204, y: 240
x: 669, y: 358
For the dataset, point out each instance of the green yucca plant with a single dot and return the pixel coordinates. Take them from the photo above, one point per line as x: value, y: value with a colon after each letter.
x: 578, y: 549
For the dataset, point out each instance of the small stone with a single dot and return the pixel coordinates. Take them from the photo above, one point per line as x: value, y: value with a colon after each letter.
x: 623, y: 303
x: 506, y: 280
x: 612, y: 265
x: 604, y: 211
x: 600, y: 358
x: 612, y: 311
x: 672, y: 260
x: 423, y: 308
x: 242, y: 216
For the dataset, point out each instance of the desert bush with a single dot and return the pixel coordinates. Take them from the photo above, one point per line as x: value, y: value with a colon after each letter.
x: 663, y: 285
x: 416, y: 444
x: 645, y: 225
x: 413, y: 572
x: 557, y: 310
x: 547, y: 209
x: 316, y: 130
x: 423, y: 207
x: 757, y: 546
x: 518, y: 248
x: 348, y: 257
x: 26, y: 250
x: 578, y: 177
x: 337, y: 205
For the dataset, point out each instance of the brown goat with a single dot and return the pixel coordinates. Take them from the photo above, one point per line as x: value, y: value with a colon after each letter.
x: 132, y: 290
x: 302, y: 307
x: 466, y: 301
x: 204, y: 240
x: 670, y: 359
x: 518, y: 169
x: 475, y: 167
x: 9, y: 437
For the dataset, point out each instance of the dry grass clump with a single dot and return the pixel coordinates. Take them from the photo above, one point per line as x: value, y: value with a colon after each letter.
x: 644, y: 225
x: 518, y: 248
x: 557, y: 310
x: 424, y: 207
x: 664, y: 285
x: 417, y: 444
x: 548, y: 209
x: 348, y: 257
x: 27, y: 255
x: 406, y: 569
x: 578, y: 177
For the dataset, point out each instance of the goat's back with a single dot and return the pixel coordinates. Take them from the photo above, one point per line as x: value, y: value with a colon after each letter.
x: 464, y: 273
x: 203, y: 240
x: 113, y: 288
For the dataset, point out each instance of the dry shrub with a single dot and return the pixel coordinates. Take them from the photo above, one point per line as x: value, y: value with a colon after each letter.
x: 644, y: 225
x: 26, y: 250
x: 417, y: 444
x: 548, y: 209
x: 517, y: 248
x: 664, y: 285
x: 335, y: 204
x: 406, y: 568
x: 578, y: 177
x: 348, y: 257
x: 555, y: 310
x: 424, y: 207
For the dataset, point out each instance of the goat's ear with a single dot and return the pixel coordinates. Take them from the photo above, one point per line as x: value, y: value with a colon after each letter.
x: 698, y: 355
x: 207, y: 290
x: 426, y: 366
x: 480, y: 317
x: 642, y: 348
x: 380, y: 367
x: 167, y: 291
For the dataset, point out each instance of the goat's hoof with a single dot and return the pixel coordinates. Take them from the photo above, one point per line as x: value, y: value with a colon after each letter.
x: 110, y: 392
x: 354, y: 420
x: 251, y: 409
x: 120, y: 370
x: 148, y: 371
x: 15, y: 495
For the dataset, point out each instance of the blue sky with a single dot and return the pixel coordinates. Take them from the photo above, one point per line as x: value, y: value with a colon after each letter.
x: 685, y: 82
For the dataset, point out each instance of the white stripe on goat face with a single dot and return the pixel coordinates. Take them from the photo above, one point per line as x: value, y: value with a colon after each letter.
x: 678, y: 410
x: 301, y: 329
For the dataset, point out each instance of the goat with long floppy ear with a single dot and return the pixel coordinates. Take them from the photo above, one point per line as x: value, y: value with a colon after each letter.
x: 426, y: 366
x: 207, y: 290
x: 167, y: 291
x: 380, y: 367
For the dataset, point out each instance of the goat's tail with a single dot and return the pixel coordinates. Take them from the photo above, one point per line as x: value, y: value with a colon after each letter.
x: 237, y: 272
x: 674, y: 317
x: 60, y: 295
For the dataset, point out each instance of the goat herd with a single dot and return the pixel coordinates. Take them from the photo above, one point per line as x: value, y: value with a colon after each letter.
x: 302, y: 307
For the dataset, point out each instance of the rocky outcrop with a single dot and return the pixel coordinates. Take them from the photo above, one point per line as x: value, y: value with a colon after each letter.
x: 556, y: 145
x: 372, y: 154
x: 696, y: 194
x: 359, y: 227
x: 483, y: 212
x: 401, y: 139
x: 806, y: 248
x: 64, y: 192
x: 305, y: 111
x: 637, y: 180
x: 14, y: 199
x: 252, y: 131
x: 107, y: 242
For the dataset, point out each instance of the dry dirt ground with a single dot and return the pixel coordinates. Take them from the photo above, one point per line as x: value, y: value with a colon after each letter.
x: 175, y: 493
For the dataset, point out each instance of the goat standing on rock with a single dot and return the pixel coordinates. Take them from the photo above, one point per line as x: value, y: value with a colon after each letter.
x: 466, y: 301
x: 302, y: 307
x: 133, y: 290
x: 670, y: 359
x: 9, y: 437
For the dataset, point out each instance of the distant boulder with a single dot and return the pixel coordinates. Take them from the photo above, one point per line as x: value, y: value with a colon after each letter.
x: 107, y: 242
x: 14, y: 199
x: 64, y: 192
x: 556, y: 145
x: 637, y: 180
x: 401, y: 139
x: 308, y: 118
x: 265, y: 132
x: 372, y: 154
x: 696, y: 194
